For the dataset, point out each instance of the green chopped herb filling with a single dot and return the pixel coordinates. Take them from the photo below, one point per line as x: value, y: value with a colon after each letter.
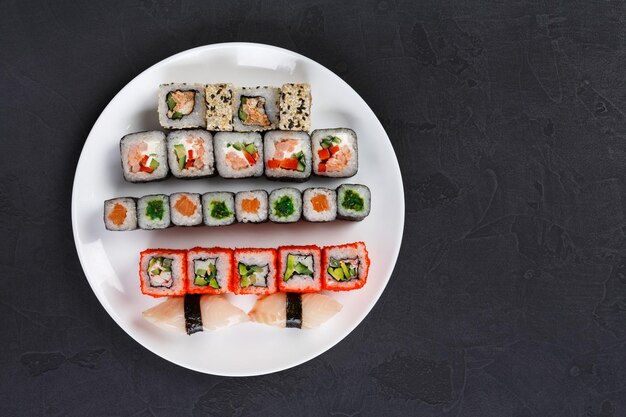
x: 155, y: 209
x: 283, y: 207
x: 352, y: 201
x: 219, y: 210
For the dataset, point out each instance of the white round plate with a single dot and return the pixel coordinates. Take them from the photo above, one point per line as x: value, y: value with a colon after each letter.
x: 110, y: 259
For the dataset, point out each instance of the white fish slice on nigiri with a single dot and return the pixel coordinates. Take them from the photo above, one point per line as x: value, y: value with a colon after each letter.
x: 216, y: 312
x: 316, y: 310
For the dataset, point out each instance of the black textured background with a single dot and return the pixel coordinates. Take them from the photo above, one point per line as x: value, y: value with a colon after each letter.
x: 508, y: 118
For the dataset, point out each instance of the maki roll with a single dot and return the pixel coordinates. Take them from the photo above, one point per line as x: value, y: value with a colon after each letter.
x: 319, y: 205
x: 295, y: 107
x: 162, y: 272
x: 185, y: 209
x: 345, y: 267
x: 287, y: 155
x: 353, y: 202
x: 218, y: 208
x: 153, y: 212
x: 190, y: 153
x: 239, y: 155
x: 254, y: 271
x: 144, y: 156
x: 335, y: 152
x: 120, y: 214
x: 209, y: 271
x: 292, y: 310
x: 299, y: 268
x: 219, y: 107
x: 285, y: 205
x: 251, y: 206
x: 181, y: 106
x: 256, y: 109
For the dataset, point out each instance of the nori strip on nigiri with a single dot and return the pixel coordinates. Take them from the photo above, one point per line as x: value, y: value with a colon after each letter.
x: 293, y: 317
x: 193, y: 316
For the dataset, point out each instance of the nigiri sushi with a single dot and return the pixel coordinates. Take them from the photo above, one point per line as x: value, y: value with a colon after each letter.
x: 193, y: 313
x: 294, y: 310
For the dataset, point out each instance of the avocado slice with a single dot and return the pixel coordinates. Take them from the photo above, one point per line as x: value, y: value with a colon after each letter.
x: 200, y: 281
x: 214, y: 284
x: 291, y: 259
x: 212, y: 270
x: 156, y: 271
x: 181, y: 155
x: 201, y: 272
x: 301, y: 269
x: 152, y: 262
x: 245, y: 281
x: 346, y: 271
x: 243, y: 271
x: 336, y: 273
x: 250, y: 148
x: 300, y: 166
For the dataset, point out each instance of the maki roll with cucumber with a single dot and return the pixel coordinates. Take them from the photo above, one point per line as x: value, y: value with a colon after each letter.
x: 120, y: 214
x: 144, y: 156
x: 218, y: 208
x: 256, y: 109
x: 254, y: 271
x: 251, y: 206
x: 182, y: 106
x: 209, y: 270
x: 319, y: 205
x: 239, y: 155
x: 345, y: 267
x: 285, y: 205
x: 186, y: 209
x: 190, y: 153
x: 293, y: 310
x: 295, y: 107
x: 219, y: 107
x: 335, y: 152
x: 162, y: 272
x: 287, y: 155
x: 299, y: 268
x: 153, y: 212
x: 353, y: 202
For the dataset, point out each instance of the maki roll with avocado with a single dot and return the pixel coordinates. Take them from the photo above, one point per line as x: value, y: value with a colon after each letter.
x: 209, y: 270
x: 353, y: 202
x: 319, y: 205
x: 219, y: 107
x: 239, y: 155
x: 120, y: 214
x: 256, y: 109
x: 182, y: 106
x: 251, y: 206
x: 287, y: 155
x: 218, y: 208
x: 285, y: 205
x: 144, y: 156
x: 299, y: 268
x: 153, y: 212
x: 185, y: 209
x: 162, y: 272
x: 254, y: 271
x: 295, y: 107
x: 345, y: 267
x: 190, y: 153
x: 335, y: 152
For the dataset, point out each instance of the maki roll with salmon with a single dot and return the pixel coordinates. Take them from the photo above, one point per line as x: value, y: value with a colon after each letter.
x: 120, y: 214
x: 153, y: 212
x: 345, y: 267
x: 182, y: 106
x: 256, y: 109
x: 295, y: 107
x: 185, y: 209
x: 319, y: 205
x: 209, y: 270
x: 251, y: 206
x: 335, y: 152
x: 254, y: 271
x: 293, y: 310
x: 285, y: 205
x: 239, y: 155
x: 219, y: 107
x: 299, y: 268
x: 353, y: 202
x: 162, y: 272
x: 218, y: 208
x: 287, y: 155
x: 190, y: 153
x: 144, y: 156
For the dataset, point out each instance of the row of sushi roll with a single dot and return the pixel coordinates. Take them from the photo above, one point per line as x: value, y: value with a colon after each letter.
x: 289, y: 280
x: 224, y: 107
x: 280, y: 155
x: 283, y: 205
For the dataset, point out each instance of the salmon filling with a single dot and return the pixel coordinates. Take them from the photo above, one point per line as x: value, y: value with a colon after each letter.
x: 252, y: 111
x: 180, y: 103
x: 118, y: 214
x: 185, y: 206
x: 320, y: 203
x: 334, y: 157
x: 250, y: 205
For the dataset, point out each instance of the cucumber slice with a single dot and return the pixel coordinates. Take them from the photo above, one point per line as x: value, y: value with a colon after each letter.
x: 238, y: 146
x: 242, y: 115
x: 256, y: 268
x: 154, y: 164
x: 201, y: 272
x: 243, y: 270
x: 250, y: 148
x: 212, y: 270
x: 214, y: 284
x: 166, y: 262
x: 170, y: 102
x: 177, y: 115
x: 152, y: 262
x: 181, y: 155
x: 156, y: 271
x: 300, y: 166
x: 302, y: 269
x: 336, y: 273
x: 291, y: 260
x: 200, y: 281
x: 334, y: 263
x: 344, y: 267
x: 245, y: 281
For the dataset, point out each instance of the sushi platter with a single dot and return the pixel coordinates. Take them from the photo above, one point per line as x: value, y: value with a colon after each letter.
x: 264, y: 149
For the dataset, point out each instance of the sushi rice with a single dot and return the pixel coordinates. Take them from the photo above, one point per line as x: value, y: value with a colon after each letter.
x: 190, y: 153
x: 182, y: 106
x: 185, y: 209
x: 251, y: 206
x: 120, y: 214
x: 319, y: 204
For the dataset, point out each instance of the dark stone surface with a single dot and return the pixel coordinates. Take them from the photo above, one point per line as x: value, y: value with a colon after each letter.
x: 509, y: 122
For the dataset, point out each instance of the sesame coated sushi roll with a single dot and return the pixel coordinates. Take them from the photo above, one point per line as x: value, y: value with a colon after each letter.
x: 209, y: 270
x: 251, y: 206
x: 218, y: 208
x: 335, y: 152
x: 345, y: 267
x: 295, y: 107
x: 254, y: 271
x: 162, y: 272
x: 353, y: 202
x: 144, y: 156
x: 238, y: 155
x: 256, y: 109
x: 190, y: 153
x: 219, y: 107
x: 285, y: 205
x: 287, y: 155
x: 185, y: 209
x: 182, y: 106
x: 120, y: 214
x: 153, y: 212
x: 319, y: 205
x: 299, y: 268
